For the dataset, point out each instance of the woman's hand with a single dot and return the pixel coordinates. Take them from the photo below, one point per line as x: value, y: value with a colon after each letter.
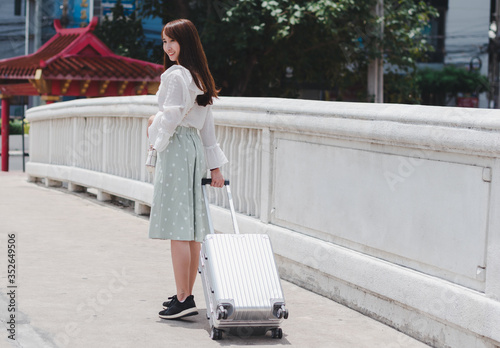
x: 217, y: 178
x: 150, y: 122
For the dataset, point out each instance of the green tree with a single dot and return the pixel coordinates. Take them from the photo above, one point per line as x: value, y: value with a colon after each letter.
x: 401, y: 88
x: 437, y: 87
x: 124, y: 35
x: 273, y: 48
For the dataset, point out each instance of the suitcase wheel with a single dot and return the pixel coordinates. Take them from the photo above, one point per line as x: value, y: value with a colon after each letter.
x: 221, y: 313
x: 277, y: 333
x: 216, y: 334
x: 281, y: 312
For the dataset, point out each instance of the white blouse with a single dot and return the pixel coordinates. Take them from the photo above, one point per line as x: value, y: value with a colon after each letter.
x: 177, y: 107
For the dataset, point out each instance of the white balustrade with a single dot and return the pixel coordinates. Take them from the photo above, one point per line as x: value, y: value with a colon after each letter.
x: 116, y: 145
x: 242, y: 147
x: 390, y: 209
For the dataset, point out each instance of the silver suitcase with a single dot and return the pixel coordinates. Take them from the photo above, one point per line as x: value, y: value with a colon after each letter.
x: 240, y: 280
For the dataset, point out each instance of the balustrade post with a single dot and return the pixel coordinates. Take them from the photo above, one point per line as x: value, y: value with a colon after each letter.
x: 105, y: 149
x: 145, y: 142
x: 50, y: 139
x: 266, y: 176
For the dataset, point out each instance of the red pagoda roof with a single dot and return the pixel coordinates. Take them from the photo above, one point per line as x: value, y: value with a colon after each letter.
x: 76, y: 62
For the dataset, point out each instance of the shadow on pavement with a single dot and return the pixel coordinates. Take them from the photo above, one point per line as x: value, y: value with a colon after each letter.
x: 200, y: 322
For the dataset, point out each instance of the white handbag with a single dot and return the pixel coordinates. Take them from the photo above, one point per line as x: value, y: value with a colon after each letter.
x: 152, y: 154
x: 151, y: 159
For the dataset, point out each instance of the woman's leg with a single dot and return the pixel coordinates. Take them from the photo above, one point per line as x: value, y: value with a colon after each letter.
x: 193, y: 267
x: 181, y: 260
x: 185, y: 258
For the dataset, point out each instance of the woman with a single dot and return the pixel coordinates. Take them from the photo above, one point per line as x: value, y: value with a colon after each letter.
x: 185, y: 97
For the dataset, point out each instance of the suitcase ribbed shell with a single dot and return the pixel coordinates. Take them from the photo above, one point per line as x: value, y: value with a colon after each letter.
x: 240, y: 271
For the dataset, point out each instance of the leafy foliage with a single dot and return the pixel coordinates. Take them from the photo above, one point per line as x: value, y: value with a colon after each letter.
x: 124, y: 35
x: 251, y: 44
x: 437, y: 85
x: 401, y: 88
x: 16, y: 127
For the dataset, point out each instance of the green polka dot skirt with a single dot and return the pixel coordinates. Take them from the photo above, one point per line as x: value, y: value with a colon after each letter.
x: 178, y: 208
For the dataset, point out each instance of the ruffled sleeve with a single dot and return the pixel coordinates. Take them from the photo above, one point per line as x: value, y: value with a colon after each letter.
x: 173, y: 97
x: 213, y: 154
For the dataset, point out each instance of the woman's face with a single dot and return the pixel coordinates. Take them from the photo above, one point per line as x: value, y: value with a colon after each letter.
x: 171, y: 48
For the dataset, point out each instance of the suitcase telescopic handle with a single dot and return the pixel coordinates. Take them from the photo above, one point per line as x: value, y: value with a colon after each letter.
x: 206, y: 181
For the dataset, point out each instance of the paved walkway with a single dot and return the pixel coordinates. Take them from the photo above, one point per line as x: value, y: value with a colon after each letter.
x: 88, y: 276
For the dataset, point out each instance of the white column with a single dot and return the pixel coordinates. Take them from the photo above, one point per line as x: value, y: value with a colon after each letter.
x: 38, y: 24
x: 27, y: 28
x: 376, y: 67
x: 91, y: 10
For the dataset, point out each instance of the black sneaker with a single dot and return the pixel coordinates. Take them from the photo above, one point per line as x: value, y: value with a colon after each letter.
x: 179, y: 310
x: 167, y: 304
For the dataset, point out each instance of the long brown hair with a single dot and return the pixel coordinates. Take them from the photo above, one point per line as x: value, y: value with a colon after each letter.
x: 192, y: 57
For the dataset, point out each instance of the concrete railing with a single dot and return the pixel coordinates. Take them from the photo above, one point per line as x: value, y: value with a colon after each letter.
x: 390, y: 209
